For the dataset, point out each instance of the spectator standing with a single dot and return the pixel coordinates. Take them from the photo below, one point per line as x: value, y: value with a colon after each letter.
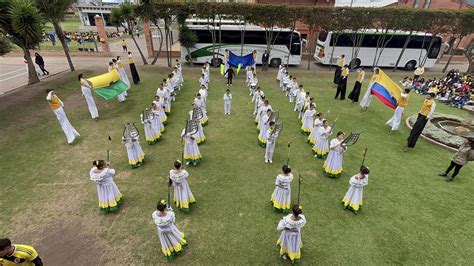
x: 464, y: 154
x: 124, y: 46
x: 265, y: 58
x: 40, y: 62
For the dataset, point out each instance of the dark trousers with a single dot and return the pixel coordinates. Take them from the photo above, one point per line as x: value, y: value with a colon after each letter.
x: 264, y: 66
x: 456, y: 167
x: 45, y: 72
x: 135, y: 76
x: 354, y: 95
x: 124, y: 48
x: 341, y: 89
x: 229, y: 79
x: 416, y: 130
x: 337, y: 74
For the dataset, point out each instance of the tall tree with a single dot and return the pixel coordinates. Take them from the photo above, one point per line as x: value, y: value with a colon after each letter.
x: 411, y: 22
x: 54, y: 11
x: 22, y: 23
x: 469, y: 53
x: 125, y: 13
x: 317, y: 19
x: 5, y: 46
x: 463, y: 26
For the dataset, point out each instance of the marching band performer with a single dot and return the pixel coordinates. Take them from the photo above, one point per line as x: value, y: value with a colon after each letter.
x: 427, y: 110
x: 262, y: 109
x: 333, y: 164
x: 394, y: 122
x: 279, y: 73
x: 133, y: 69
x: 227, y: 102
x: 199, y: 136
x: 300, y: 95
x: 254, y: 55
x: 256, y: 97
x: 318, y: 122
x: 272, y: 135
x: 136, y: 156
x: 199, y: 103
x: 183, y: 196
x: 354, y: 196
x: 110, y: 197
x: 121, y: 70
x: 204, y: 94
x: 283, y: 79
x: 207, y: 72
x: 342, y: 83
x: 248, y: 75
x: 170, y: 88
x: 281, y: 197
x: 159, y: 109
x: 191, y: 149
x: 202, y: 81
x: 340, y: 63
x: 165, y: 96
x: 286, y: 80
x: 263, y: 135
x: 294, y: 88
x: 253, y: 84
x: 86, y: 92
x: 321, y: 147
x: 290, y: 238
x: 158, y: 112
x: 354, y: 95
x: 171, y: 239
x: 308, y: 120
x: 122, y: 96
x: 152, y: 131
x: 57, y: 106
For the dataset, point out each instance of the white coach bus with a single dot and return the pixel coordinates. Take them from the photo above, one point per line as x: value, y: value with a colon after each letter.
x: 415, y: 52
x: 254, y: 39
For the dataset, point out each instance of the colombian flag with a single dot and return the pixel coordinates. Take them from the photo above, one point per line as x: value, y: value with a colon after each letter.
x: 108, y: 85
x: 386, y: 90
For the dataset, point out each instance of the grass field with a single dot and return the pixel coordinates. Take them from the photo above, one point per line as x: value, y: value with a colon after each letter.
x: 410, y: 215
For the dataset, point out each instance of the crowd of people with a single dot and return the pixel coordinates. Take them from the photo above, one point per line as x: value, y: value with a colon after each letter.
x: 80, y: 36
x: 454, y: 89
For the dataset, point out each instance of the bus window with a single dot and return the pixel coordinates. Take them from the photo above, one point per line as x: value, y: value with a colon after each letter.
x: 323, y: 35
x: 435, y: 47
x: 204, y: 36
x: 232, y: 37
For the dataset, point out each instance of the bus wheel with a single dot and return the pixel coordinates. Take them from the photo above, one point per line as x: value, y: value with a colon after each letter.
x: 410, y: 65
x: 275, y: 62
x: 216, y: 62
x: 355, y: 63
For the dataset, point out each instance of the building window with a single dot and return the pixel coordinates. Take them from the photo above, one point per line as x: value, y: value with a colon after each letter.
x: 416, y: 4
x: 427, y: 4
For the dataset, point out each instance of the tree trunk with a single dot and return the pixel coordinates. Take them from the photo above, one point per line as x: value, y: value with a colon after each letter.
x: 429, y: 48
x: 138, y: 47
x: 313, y: 49
x: 155, y: 58
x: 405, y: 45
x: 167, y: 32
x: 291, y: 42
x: 60, y: 33
x: 32, y: 75
x: 451, y: 54
x: 332, y: 50
x: 190, y: 57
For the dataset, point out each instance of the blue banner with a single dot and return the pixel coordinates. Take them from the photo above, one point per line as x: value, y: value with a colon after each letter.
x: 246, y: 60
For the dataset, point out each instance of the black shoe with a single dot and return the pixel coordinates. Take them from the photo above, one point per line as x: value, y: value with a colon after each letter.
x: 448, y: 179
x: 443, y: 174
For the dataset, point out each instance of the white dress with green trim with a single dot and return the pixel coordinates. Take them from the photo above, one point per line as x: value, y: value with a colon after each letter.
x: 183, y: 197
x: 136, y: 156
x: 109, y: 195
x: 290, y: 238
x: 315, y: 132
x: 192, y: 155
x: 171, y: 239
x: 354, y: 196
x: 281, y: 197
x: 333, y: 164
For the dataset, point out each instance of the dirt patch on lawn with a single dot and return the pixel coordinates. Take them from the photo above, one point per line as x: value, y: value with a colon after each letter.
x: 69, y: 244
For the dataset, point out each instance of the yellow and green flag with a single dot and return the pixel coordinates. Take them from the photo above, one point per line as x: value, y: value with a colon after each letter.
x: 109, y: 85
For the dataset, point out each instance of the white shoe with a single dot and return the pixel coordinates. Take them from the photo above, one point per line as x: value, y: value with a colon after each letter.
x: 270, y: 161
x: 266, y: 161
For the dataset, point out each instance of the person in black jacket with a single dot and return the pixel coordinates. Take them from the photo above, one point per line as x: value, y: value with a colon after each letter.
x: 265, y: 58
x: 40, y: 62
x: 230, y: 75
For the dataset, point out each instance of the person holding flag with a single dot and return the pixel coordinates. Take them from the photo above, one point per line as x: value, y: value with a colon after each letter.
x: 57, y: 106
x: 86, y: 87
x: 365, y: 102
x: 394, y: 122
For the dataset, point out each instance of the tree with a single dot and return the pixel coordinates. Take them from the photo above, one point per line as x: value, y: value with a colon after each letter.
x: 54, y: 11
x: 316, y: 18
x: 469, y: 53
x: 125, y: 13
x: 411, y: 22
x: 5, y: 46
x: 461, y: 28
x: 360, y: 21
x: 338, y: 24
x: 22, y: 23
x: 188, y: 39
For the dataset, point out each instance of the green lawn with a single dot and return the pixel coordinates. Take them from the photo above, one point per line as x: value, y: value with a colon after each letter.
x: 410, y: 215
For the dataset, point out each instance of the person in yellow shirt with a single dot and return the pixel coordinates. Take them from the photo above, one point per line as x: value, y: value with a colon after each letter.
x: 57, y: 106
x: 342, y: 85
x: 341, y: 61
x: 133, y: 69
x: 355, y: 93
x: 18, y: 255
x: 124, y: 46
x: 427, y: 110
x: 394, y: 122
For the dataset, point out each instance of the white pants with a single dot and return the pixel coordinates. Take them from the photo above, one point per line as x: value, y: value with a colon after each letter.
x: 394, y: 122
x: 269, y: 149
x: 227, y: 107
x: 90, y: 102
x: 68, y: 129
